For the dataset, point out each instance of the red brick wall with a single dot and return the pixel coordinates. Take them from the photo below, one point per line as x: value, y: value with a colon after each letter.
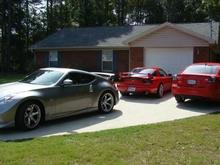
x: 136, y: 57
x: 86, y: 60
x: 201, y: 54
x: 122, y: 60
x: 41, y: 59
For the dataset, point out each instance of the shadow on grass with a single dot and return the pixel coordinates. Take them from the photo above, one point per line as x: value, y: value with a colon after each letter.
x: 59, y: 126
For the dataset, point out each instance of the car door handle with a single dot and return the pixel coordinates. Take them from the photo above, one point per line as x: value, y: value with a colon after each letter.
x: 90, y: 88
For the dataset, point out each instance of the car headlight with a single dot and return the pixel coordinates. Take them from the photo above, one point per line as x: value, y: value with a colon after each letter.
x: 6, y: 99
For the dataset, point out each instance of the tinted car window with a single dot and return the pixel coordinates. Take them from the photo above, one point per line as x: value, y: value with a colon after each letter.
x: 43, y: 77
x: 136, y: 70
x: 201, y: 69
x: 143, y: 71
x: 80, y: 78
x: 162, y: 73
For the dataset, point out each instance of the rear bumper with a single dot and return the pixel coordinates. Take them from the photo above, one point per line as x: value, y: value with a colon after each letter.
x: 209, y: 92
x: 124, y: 88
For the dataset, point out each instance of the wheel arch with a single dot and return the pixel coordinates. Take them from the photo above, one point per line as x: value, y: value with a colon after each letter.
x: 37, y: 101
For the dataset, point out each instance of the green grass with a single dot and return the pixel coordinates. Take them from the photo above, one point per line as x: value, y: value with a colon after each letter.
x: 5, y: 78
x: 188, y: 141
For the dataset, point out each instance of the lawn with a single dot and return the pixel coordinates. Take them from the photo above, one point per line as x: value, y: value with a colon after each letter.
x: 4, y: 78
x: 188, y: 141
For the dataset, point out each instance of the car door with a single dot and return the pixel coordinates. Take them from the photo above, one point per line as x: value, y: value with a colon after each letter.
x: 78, y: 95
x: 166, y: 79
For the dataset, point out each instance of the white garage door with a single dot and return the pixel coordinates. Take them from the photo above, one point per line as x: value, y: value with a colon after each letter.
x: 173, y: 60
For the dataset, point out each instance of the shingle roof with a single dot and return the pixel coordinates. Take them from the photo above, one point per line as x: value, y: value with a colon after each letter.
x: 111, y: 36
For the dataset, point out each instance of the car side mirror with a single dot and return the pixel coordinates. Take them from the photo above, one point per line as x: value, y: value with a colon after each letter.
x: 67, y: 82
x: 170, y: 75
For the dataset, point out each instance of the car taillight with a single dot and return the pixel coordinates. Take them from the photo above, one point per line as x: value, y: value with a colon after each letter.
x: 211, y: 80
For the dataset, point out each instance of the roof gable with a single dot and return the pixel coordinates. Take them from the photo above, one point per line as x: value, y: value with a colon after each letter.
x: 172, y: 26
x: 168, y: 37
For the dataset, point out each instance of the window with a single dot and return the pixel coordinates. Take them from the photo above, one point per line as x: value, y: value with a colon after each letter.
x: 43, y: 77
x: 80, y: 78
x: 107, y: 60
x: 162, y: 73
x: 53, y: 58
x: 201, y: 69
x: 143, y: 71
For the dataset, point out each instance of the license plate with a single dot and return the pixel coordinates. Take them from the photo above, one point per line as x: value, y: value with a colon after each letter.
x: 131, y: 89
x: 191, y: 82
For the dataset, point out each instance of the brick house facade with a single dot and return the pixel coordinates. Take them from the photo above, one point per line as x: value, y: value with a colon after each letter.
x: 117, y: 52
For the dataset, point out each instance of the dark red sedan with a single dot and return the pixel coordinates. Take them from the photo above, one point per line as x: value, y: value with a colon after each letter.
x: 144, y: 81
x: 200, y: 80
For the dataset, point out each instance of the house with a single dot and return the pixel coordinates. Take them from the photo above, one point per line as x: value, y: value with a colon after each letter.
x: 117, y: 49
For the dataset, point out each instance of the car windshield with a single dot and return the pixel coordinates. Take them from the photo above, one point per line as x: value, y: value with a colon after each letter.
x: 201, y: 69
x: 143, y: 71
x: 43, y: 77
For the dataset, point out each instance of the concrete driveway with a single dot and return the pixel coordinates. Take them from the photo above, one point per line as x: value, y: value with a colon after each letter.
x: 131, y: 111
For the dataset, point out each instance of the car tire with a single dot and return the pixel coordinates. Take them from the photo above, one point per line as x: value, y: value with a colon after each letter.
x: 28, y: 116
x: 160, y: 91
x: 106, y: 102
x: 179, y: 99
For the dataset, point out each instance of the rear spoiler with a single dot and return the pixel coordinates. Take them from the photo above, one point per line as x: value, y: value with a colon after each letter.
x: 107, y: 76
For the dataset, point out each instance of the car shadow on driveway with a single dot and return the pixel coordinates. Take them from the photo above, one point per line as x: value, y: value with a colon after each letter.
x: 60, y: 126
x: 146, y: 99
x: 200, y: 106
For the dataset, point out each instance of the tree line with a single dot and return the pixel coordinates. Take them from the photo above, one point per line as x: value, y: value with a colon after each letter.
x: 24, y: 22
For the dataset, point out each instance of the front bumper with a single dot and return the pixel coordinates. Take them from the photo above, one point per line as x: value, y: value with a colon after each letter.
x: 7, y: 114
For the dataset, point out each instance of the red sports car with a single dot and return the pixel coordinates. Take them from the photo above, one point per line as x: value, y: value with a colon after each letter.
x: 200, y: 80
x: 144, y: 81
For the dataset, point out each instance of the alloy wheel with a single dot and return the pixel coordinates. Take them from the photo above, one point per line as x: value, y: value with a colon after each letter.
x: 107, y: 102
x: 32, y: 116
x: 160, y: 91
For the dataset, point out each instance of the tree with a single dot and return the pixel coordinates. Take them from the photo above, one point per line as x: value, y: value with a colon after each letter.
x: 212, y: 7
x: 120, y: 10
x: 194, y: 11
x: 145, y: 12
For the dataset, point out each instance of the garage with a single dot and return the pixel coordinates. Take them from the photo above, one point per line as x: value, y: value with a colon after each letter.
x: 173, y: 60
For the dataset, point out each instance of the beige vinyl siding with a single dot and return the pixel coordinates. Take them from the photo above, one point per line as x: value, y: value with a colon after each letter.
x: 168, y: 37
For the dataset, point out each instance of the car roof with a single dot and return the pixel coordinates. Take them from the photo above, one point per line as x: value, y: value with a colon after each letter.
x: 154, y: 67
x: 208, y: 63
x: 65, y: 70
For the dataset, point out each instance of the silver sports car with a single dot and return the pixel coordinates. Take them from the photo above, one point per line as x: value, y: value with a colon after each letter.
x: 51, y: 93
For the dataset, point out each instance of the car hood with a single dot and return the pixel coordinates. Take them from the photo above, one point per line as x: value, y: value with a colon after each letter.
x: 17, y: 87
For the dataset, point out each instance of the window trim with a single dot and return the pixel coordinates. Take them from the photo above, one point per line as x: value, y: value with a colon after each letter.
x: 75, y: 85
x: 112, y: 59
x: 52, y: 53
